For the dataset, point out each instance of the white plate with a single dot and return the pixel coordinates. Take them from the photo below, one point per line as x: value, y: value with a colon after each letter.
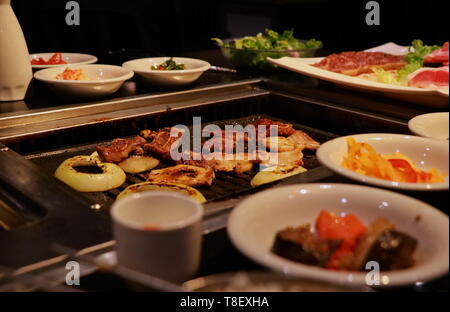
x: 430, y: 97
x: 433, y: 125
x: 168, y: 78
x: 423, y: 152
x: 391, y: 48
x: 70, y: 58
x: 104, y: 80
x: 254, y: 223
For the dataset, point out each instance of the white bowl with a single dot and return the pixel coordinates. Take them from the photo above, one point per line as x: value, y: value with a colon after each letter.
x: 254, y: 223
x: 70, y: 58
x: 433, y: 125
x: 104, y: 80
x: 168, y: 78
x: 423, y: 152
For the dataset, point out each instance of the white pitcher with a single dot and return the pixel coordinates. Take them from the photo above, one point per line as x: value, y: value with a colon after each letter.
x: 15, y: 67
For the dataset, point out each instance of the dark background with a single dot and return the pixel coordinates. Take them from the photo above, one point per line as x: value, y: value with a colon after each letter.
x: 169, y: 27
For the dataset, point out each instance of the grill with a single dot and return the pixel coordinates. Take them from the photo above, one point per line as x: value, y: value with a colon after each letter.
x: 62, y: 215
x: 225, y: 184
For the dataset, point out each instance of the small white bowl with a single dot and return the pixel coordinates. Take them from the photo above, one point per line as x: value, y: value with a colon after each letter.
x: 254, y: 223
x: 423, y: 152
x: 69, y: 58
x: 168, y: 78
x: 104, y: 80
x: 433, y: 125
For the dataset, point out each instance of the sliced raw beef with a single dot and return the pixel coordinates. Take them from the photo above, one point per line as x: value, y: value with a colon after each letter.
x: 438, y: 56
x: 429, y: 77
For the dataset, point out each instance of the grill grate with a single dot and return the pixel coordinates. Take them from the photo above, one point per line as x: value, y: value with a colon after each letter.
x: 225, y: 185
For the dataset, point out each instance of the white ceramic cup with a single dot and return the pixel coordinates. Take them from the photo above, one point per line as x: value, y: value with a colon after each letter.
x: 158, y: 233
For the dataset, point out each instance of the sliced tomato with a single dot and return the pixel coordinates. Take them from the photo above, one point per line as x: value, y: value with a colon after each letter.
x: 347, y: 228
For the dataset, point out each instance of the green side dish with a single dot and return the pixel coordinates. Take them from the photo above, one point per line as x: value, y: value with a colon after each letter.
x: 170, y: 64
x: 252, y: 51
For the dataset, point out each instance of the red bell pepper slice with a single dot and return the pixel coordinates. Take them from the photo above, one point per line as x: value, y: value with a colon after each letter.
x: 404, y: 167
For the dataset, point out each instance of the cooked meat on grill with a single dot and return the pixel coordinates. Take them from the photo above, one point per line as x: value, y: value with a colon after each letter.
x: 162, y: 142
x: 219, y: 162
x: 148, y: 134
x: 183, y: 174
x: 280, y: 144
x: 291, y: 158
x: 220, y: 141
x: 120, y: 149
x: 302, y: 245
x: 302, y: 139
x: 284, y: 129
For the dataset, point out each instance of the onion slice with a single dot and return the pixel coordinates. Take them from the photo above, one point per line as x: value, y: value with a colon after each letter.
x: 273, y: 174
x: 171, y: 187
x: 137, y: 164
x: 112, y: 176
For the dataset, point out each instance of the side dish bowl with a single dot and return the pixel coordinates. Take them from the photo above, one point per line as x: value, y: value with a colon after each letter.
x: 103, y: 80
x: 252, y: 58
x: 425, y: 153
x: 69, y: 58
x: 167, y: 78
x: 254, y: 223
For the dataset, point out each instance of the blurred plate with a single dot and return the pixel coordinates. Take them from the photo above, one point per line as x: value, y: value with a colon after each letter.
x: 433, y: 125
x: 254, y: 223
x: 262, y: 281
x: 69, y: 58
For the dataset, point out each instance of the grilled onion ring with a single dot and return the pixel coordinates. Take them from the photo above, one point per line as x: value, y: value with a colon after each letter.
x: 134, y: 163
x: 154, y: 186
x: 278, y: 173
x: 112, y: 176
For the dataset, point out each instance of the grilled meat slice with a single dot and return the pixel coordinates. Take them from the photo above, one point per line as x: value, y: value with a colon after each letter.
x: 162, y: 143
x: 300, y: 244
x: 221, y: 141
x: 302, y: 139
x: 120, y: 149
x: 183, y: 174
x: 284, y: 129
x: 292, y: 158
x: 220, y: 162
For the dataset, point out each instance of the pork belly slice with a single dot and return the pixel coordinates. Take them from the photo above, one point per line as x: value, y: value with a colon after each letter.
x: 302, y: 139
x: 183, y: 174
x: 223, y: 141
x: 162, y: 142
x: 238, y: 163
x: 438, y: 56
x: 429, y: 78
x: 284, y: 129
x: 120, y: 149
